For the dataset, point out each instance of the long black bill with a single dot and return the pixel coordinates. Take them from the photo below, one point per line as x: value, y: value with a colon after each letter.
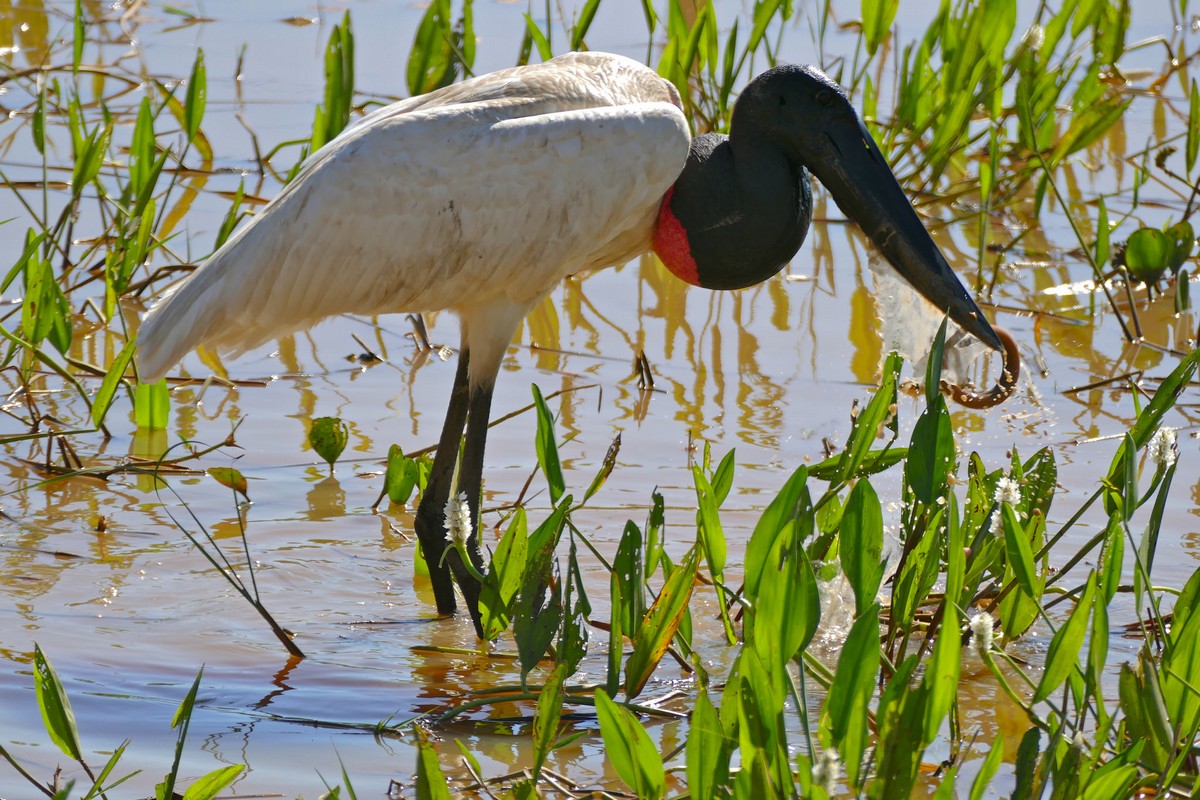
x: 866, y: 190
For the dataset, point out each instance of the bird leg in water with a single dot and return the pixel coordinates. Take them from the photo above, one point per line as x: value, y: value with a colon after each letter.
x: 469, y: 408
x: 430, y: 521
x: 470, y: 475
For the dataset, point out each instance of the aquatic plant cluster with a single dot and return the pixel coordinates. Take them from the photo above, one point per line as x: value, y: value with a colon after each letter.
x: 976, y: 111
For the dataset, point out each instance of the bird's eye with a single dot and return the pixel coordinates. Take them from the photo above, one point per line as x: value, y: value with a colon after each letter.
x: 824, y: 97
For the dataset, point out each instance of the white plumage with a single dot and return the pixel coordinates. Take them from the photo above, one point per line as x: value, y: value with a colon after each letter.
x: 478, y: 198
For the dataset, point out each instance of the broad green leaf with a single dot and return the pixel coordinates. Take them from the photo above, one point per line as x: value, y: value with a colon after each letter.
x: 791, y: 503
x: 662, y: 621
x: 879, y: 415
x: 196, y: 98
x: 787, y: 610
x: 861, y: 546
x: 1147, y: 254
x: 400, y: 478
x: 931, y: 452
x: 853, y: 683
x: 208, y: 787
x: 1063, y: 656
x: 606, y: 468
x: 547, y: 716
x: 630, y: 749
x: 629, y: 568
x: 1018, y: 551
x: 917, y: 574
x: 57, y: 715
x: 547, y: 448
x: 707, y: 750
x: 328, y: 437
x: 877, y: 18
x: 431, y: 782
x: 1182, y: 238
x: 152, y: 405
x: 505, y: 577
x: 539, y: 39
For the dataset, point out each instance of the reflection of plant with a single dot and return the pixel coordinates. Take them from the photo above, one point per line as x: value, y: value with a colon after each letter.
x: 60, y: 725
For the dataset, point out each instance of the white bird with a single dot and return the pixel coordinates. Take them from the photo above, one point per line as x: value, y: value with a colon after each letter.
x: 480, y: 197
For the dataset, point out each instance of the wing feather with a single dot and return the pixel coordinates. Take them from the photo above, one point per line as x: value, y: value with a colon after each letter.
x: 475, y: 198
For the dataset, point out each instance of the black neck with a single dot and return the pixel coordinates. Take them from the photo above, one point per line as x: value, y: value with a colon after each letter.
x: 745, y: 207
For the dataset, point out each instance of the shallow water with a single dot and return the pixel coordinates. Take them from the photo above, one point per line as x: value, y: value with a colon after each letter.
x: 128, y: 613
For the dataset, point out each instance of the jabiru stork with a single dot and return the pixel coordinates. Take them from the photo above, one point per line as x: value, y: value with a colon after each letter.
x: 480, y: 197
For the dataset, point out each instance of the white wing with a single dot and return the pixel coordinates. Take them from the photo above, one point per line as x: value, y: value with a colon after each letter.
x: 479, y: 206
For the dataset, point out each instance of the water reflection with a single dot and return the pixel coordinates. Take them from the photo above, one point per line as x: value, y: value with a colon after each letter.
x: 128, y: 612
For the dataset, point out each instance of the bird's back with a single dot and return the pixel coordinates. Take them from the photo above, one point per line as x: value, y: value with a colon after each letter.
x: 482, y: 194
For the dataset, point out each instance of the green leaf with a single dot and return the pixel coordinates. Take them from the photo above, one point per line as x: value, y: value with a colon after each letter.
x: 790, y: 503
x: 1103, y: 247
x: 629, y: 749
x: 1147, y: 254
x: 211, y: 784
x: 877, y: 18
x: 1182, y: 238
x: 539, y: 38
x: 849, y: 698
x: 1063, y: 656
x: 401, y: 476
x: 57, y: 716
x: 931, y: 452
x: 941, y: 673
x: 580, y: 29
x: 182, y: 722
x: 861, y: 547
x: 152, y: 405
x: 871, y: 421
x: 787, y: 609
x: 606, y: 468
x: 630, y: 570
x: 547, y: 716
x: 1193, y: 128
x: 1019, y: 552
x: 108, y: 387
x: 328, y: 437
x: 661, y: 622
x: 707, y: 750
x: 547, y: 448
x: 983, y: 779
x: 197, y: 97
x: 917, y: 574
x: 431, y: 783
x: 230, y: 478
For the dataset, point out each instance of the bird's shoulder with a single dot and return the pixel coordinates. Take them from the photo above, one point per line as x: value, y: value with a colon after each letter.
x: 571, y: 82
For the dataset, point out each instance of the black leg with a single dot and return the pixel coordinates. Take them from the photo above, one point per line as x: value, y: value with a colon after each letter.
x: 470, y: 482
x: 431, y: 513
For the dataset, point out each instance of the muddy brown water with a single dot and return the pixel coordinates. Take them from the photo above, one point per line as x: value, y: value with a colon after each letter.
x: 130, y: 613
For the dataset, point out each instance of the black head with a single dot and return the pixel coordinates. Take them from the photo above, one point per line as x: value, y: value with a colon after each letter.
x: 806, y: 116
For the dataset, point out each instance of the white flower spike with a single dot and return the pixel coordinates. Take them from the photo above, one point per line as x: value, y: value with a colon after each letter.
x: 1007, y: 491
x: 982, y: 633
x: 1164, y: 447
